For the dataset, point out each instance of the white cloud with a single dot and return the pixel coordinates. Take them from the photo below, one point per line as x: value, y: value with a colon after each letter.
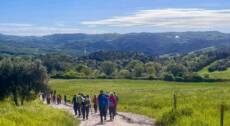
x: 30, y: 29
x: 179, y: 19
x: 15, y: 25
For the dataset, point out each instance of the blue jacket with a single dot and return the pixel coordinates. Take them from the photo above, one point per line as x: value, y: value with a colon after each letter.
x: 102, y: 101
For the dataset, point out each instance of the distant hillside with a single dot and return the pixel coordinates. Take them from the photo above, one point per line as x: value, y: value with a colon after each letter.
x: 154, y: 44
x: 225, y: 74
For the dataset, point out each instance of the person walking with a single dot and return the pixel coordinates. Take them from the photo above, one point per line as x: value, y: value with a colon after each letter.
x: 112, y: 103
x: 117, y: 99
x: 48, y: 95
x: 79, y: 104
x: 95, y: 103
x: 83, y: 107
x: 103, y: 103
x: 87, y: 106
x: 59, y: 99
x: 75, y: 105
x: 65, y: 99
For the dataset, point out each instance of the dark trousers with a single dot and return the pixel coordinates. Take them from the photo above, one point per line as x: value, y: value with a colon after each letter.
x: 95, y: 108
x: 84, y: 111
x: 103, y: 113
x: 79, y: 110
x: 75, y: 109
x: 112, y: 112
x: 87, y: 112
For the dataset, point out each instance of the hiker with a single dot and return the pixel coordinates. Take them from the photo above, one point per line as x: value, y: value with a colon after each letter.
x: 112, y: 103
x: 54, y: 99
x: 65, y: 99
x: 59, y: 99
x: 117, y: 99
x: 48, y: 98
x: 87, y: 106
x: 95, y: 103
x: 79, y: 102
x: 43, y: 96
x: 107, y: 107
x: 103, y: 103
x: 83, y: 106
x: 75, y: 105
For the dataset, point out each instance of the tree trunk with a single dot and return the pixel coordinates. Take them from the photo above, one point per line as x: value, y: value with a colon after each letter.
x: 22, y: 100
x: 15, y: 97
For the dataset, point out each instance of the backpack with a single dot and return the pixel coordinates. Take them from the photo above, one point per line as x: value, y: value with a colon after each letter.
x: 87, y: 102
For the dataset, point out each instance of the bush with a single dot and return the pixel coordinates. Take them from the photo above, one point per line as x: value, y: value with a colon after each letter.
x: 193, y: 77
x: 168, y: 77
x: 171, y: 117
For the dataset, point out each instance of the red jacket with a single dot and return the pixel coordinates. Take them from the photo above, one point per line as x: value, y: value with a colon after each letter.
x: 112, y: 101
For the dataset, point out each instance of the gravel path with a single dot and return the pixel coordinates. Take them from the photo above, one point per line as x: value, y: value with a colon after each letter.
x: 122, y: 119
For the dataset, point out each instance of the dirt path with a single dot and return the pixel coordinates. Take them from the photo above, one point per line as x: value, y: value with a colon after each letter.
x: 122, y: 119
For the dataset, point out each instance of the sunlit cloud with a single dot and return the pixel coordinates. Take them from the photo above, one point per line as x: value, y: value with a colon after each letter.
x: 187, y: 19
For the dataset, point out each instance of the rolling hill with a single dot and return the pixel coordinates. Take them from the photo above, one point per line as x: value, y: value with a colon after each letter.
x: 154, y: 44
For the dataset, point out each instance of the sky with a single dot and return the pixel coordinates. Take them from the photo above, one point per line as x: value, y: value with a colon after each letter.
x: 42, y: 17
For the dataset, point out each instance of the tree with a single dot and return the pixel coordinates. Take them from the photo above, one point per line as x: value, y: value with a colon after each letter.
x: 33, y: 78
x: 138, y: 70
x: 177, y: 70
x: 124, y: 73
x: 84, y: 69
x: 150, y: 69
x: 108, y: 67
x: 136, y: 67
x: 22, y: 78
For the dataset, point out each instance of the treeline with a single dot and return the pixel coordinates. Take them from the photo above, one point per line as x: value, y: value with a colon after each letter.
x: 21, y: 78
x: 220, y: 65
x: 24, y: 77
x: 115, y: 64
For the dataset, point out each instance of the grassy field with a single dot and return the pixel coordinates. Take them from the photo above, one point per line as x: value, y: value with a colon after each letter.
x: 197, y: 103
x: 33, y: 114
x: 216, y: 74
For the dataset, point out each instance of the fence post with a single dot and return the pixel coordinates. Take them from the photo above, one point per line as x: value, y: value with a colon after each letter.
x: 221, y: 115
x: 174, y: 102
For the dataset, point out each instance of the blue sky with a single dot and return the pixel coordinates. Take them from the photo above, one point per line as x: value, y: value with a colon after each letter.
x: 41, y: 17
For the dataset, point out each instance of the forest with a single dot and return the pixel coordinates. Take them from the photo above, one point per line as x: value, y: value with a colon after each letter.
x: 130, y: 65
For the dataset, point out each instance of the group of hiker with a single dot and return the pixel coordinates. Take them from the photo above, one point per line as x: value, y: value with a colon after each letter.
x: 51, y: 97
x: 106, y: 103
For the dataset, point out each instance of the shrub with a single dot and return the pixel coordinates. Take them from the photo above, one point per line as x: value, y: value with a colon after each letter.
x: 168, y: 77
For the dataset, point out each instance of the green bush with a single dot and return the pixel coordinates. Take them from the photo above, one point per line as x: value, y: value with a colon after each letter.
x: 168, y: 77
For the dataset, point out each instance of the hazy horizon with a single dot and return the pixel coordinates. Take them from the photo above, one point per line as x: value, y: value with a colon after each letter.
x: 106, y: 33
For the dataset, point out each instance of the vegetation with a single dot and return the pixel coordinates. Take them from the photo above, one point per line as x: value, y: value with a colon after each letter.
x: 220, y: 65
x: 223, y: 75
x: 21, y: 78
x: 197, y: 103
x: 130, y: 65
x: 33, y: 114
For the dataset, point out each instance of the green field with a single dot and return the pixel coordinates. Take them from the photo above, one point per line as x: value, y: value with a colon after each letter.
x: 33, y: 114
x: 197, y: 103
x: 216, y: 74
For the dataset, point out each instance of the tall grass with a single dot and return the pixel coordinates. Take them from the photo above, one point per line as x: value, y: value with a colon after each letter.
x: 197, y: 103
x: 33, y: 114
